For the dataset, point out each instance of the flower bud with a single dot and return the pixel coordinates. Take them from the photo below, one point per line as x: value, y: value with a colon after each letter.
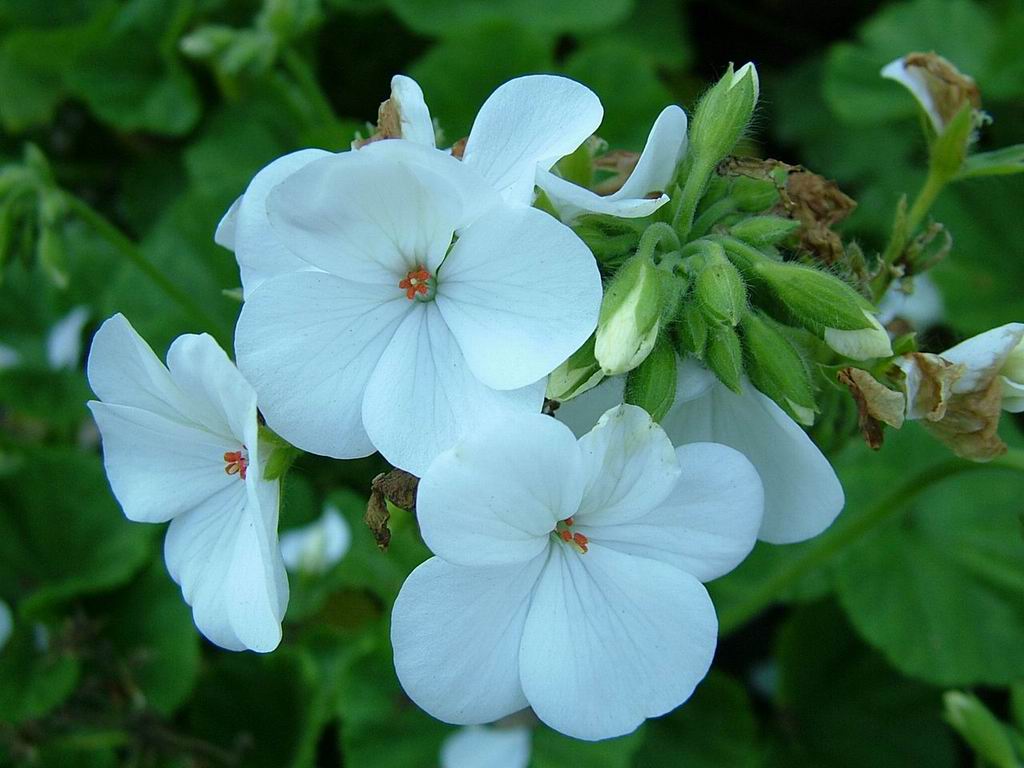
x: 764, y: 230
x: 939, y: 87
x: 628, y: 324
x: 828, y: 307
x: 652, y: 384
x: 692, y: 330
x: 979, y: 727
x: 576, y: 375
x: 719, y: 290
x: 723, y: 113
x: 776, y: 368
x: 724, y: 356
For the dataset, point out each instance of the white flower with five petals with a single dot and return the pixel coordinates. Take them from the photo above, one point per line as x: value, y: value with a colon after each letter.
x: 426, y: 312
x: 478, y: 746
x: 317, y: 547
x: 802, y: 493
x: 567, y: 574
x: 181, y: 444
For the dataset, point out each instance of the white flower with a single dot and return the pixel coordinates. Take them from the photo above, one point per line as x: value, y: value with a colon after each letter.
x: 487, y: 747
x: 863, y: 343
x: 319, y: 546
x: 644, y: 189
x: 939, y: 87
x: 802, y: 495
x: 180, y: 444
x: 407, y: 338
x: 567, y: 575
x: 922, y: 309
x: 998, y: 352
x: 64, y: 342
x: 7, y: 624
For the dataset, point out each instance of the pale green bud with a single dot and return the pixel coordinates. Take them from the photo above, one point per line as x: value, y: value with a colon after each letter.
x: 723, y: 114
x: 987, y: 736
x: 576, y: 375
x: 827, y: 306
x: 692, y: 330
x: 720, y: 290
x: 764, y: 230
x: 724, y: 356
x: 629, y: 321
x: 950, y: 148
x: 52, y: 256
x: 652, y: 384
x: 776, y: 367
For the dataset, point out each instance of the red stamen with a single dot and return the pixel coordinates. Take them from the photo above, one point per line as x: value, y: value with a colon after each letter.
x: 566, y: 536
x: 581, y: 541
x: 568, y: 521
x: 417, y: 281
x: 236, y: 463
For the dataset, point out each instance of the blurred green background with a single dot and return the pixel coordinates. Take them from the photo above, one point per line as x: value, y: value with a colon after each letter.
x: 156, y: 113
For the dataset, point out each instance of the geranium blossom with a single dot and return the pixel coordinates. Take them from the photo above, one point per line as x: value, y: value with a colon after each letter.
x: 319, y: 546
x: 181, y: 444
x: 428, y: 311
x: 487, y: 747
x: 802, y: 493
x: 567, y: 574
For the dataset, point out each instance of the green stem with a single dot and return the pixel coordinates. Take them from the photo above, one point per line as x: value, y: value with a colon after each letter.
x: 933, y: 186
x: 655, y: 235
x: 692, y: 192
x: 837, y: 540
x: 711, y: 216
x: 129, y: 250
x: 308, y: 85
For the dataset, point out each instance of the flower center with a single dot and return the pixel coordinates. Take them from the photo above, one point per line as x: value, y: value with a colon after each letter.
x: 237, y: 462
x: 575, y: 539
x: 418, y: 284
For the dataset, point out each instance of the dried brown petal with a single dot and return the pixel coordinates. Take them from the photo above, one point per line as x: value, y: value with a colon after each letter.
x: 971, y: 422
x: 930, y: 381
x: 876, y: 404
x: 949, y: 88
x: 398, y: 487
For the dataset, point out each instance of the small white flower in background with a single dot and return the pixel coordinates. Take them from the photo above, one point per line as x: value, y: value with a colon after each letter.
x: 802, y: 495
x: 939, y: 87
x: 922, y: 309
x: 319, y: 546
x: 64, y: 342
x: 567, y: 574
x: 6, y: 624
x: 959, y: 393
x: 9, y: 357
x: 181, y: 444
x: 427, y: 315
x: 478, y: 746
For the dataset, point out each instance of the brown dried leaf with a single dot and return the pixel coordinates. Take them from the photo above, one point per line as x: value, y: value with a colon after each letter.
x: 398, y: 487
x: 876, y: 404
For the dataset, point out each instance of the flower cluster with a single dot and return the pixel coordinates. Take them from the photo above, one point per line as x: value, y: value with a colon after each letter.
x: 421, y: 302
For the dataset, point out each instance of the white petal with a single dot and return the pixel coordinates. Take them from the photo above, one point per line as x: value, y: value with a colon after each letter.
x: 481, y: 747
x: 319, y: 546
x: 530, y: 122
x: 801, y: 491
x: 456, y: 634
x: 923, y: 308
x: 914, y: 82
x: 983, y: 355
x: 521, y: 293
x: 413, y: 115
x: 423, y: 397
x: 7, y: 627
x: 708, y: 524
x: 495, y: 497
x: 862, y: 343
x: 309, y: 342
x: 581, y: 413
x: 366, y: 217
x: 245, y: 228
x: 665, y: 147
x: 630, y: 467
x: 123, y: 370
x: 612, y: 639
x: 160, y: 468
x: 1013, y: 395
x: 229, y: 569
x: 64, y: 342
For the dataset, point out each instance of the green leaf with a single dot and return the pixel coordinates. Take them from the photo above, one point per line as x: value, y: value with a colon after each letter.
x: 61, y: 532
x: 255, y: 708
x: 35, y: 676
x: 553, y: 750
x: 999, y: 162
x: 845, y: 708
x: 716, y: 727
x: 151, y: 628
x: 949, y: 560
x: 443, y: 17
x: 455, y: 85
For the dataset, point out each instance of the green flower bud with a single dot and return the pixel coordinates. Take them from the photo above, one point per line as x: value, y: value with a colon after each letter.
x: 776, y: 367
x: 629, y: 321
x: 652, y: 384
x: 828, y: 307
x: 764, y: 230
x: 987, y: 736
x: 692, y: 330
x: 754, y: 195
x: 724, y: 356
x: 52, y: 256
x: 611, y: 239
x: 723, y: 113
x: 576, y: 375
x: 719, y: 289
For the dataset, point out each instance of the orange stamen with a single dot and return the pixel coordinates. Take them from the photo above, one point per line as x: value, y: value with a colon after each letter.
x: 236, y: 463
x: 580, y: 541
x: 416, y: 282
